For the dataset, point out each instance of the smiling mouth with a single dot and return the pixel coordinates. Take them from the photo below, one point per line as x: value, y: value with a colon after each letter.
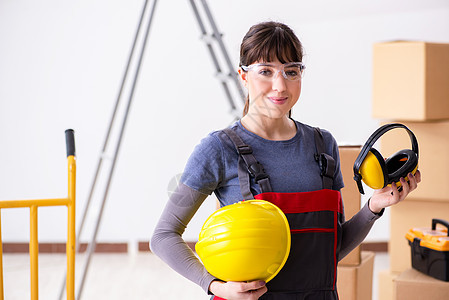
x: 278, y: 100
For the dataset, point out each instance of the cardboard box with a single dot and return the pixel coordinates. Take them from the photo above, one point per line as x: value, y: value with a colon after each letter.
x: 405, y: 215
x: 385, y: 282
x: 414, y: 77
x: 433, y: 144
x: 413, y: 285
x: 356, y: 282
x: 350, y: 194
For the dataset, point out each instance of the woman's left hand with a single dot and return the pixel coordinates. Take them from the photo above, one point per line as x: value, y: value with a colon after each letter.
x: 391, y: 195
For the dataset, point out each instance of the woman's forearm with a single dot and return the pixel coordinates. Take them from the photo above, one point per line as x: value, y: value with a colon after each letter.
x: 167, y: 241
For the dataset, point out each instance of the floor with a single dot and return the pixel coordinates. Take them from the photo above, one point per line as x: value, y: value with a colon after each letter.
x: 113, y: 276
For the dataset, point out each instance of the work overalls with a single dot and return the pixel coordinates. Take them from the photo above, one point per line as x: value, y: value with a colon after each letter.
x: 315, y: 223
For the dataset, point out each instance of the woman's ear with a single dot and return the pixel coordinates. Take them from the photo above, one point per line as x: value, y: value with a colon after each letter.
x: 243, y: 77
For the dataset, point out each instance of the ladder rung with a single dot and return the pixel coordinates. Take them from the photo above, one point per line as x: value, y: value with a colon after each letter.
x: 224, y: 77
x: 209, y: 38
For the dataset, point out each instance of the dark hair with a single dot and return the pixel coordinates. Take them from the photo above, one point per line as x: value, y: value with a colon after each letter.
x: 268, y: 41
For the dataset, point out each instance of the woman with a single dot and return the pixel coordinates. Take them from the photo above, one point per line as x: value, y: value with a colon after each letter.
x: 271, y: 69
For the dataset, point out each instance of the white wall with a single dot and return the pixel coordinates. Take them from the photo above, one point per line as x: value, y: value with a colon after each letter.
x: 61, y: 64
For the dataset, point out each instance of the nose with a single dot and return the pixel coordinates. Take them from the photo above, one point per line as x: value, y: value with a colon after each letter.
x: 278, y: 83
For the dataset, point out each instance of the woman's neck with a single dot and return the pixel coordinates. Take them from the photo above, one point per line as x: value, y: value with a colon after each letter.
x: 270, y: 129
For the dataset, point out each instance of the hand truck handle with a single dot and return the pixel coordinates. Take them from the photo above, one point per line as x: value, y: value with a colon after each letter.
x: 70, y: 142
x: 440, y: 221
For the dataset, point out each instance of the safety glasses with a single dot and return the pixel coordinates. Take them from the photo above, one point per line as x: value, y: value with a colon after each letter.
x: 292, y: 71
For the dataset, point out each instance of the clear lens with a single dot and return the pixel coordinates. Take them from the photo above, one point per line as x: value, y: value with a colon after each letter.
x: 267, y: 72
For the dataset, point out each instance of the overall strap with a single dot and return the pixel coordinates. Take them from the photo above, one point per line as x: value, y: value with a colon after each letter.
x: 326, y: 162
x: 248, y: 165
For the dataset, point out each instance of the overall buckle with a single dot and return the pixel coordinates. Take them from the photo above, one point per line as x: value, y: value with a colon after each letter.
x: 257, y: 171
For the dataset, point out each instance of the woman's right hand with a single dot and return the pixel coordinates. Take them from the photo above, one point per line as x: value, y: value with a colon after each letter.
x: 233, y: 290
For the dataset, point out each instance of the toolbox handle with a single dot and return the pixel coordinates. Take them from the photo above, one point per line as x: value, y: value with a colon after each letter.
x: 70, y: 142
x: 442, y: 222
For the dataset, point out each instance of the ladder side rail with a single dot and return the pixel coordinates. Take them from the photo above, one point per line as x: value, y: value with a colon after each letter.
x: 233, y: 75
x: 212, y: 54
x: 106, y: 141
x: 92, y: 244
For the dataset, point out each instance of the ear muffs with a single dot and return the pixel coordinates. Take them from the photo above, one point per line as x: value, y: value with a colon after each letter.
x: 377, y: 172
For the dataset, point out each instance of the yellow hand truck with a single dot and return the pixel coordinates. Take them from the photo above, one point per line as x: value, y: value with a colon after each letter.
x: 34, y: 245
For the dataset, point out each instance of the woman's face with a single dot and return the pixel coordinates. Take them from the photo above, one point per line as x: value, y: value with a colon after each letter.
x: 270, y: 93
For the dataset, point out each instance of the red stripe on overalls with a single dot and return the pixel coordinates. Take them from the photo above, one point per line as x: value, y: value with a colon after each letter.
x: 335, y: 248
x: 321, y: 200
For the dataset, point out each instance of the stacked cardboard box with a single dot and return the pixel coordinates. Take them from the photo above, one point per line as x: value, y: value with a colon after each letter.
x: 413, y: 285
x: 355, y: 271
x: 350, y: 195
x: 356, y: 282
x: 411, y: 86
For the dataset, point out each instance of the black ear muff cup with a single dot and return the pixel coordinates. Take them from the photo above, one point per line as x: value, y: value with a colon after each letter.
x: 377, y: 172
x: 401, y: 164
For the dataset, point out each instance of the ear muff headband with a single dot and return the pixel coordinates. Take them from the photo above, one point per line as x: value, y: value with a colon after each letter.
x: 367, y: 149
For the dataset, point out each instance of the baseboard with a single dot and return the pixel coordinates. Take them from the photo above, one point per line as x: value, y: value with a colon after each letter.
x: 61, y: 248
x: 143, y: 246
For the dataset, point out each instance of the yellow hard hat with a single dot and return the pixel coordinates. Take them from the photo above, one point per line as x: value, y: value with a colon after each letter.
x: 245, y: 241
